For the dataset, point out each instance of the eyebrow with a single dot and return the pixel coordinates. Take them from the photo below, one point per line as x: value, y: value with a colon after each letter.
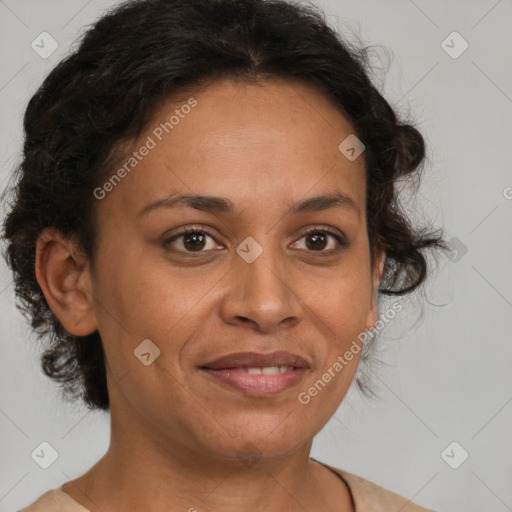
x: 214, y: 204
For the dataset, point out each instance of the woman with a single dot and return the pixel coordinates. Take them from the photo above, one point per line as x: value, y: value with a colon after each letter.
x: 204, y: 223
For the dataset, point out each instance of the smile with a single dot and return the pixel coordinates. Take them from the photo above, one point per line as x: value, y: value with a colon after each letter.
x: 257, y: 381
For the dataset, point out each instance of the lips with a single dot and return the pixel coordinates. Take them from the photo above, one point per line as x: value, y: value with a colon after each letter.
x: 257, y: 375
x: 257, y: 360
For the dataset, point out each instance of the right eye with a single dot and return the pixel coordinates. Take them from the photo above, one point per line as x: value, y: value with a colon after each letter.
x: 190, y: 240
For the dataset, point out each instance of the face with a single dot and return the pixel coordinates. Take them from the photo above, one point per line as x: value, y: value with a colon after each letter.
x: 268, y: 269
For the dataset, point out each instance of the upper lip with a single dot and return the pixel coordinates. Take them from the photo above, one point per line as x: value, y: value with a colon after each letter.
x: 255, y: 360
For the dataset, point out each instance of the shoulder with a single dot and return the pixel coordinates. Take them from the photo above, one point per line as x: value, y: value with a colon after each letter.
x: 370, y: 497
x: 54, y: 500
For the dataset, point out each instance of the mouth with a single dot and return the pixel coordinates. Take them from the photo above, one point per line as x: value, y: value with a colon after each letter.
x: 257, y: 375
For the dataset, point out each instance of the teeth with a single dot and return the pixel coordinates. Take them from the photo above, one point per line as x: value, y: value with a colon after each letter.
x: 268, y: 370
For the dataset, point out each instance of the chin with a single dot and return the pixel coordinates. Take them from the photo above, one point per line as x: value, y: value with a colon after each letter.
x: 249, y: 447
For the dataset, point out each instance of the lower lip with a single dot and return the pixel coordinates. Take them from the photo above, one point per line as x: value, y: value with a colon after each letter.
x: 259, y: 385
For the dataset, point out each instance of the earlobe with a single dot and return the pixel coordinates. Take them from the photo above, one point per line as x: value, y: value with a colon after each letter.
x: 63, y: 274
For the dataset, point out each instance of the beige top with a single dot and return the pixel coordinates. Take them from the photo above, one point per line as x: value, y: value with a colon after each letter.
x: 367, y: 496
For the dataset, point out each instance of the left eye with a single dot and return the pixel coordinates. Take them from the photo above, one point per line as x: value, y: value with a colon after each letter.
x: 317, y: 240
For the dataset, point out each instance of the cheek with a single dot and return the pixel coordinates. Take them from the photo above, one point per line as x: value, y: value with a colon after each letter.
x: 143, y: 299
x: 340, y: 315
x: 343, y: 306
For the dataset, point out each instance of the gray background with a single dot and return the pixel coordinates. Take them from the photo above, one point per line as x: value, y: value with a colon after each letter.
x: 447, y: 355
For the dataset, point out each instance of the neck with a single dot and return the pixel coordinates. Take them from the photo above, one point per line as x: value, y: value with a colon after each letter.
x: 145, y: 471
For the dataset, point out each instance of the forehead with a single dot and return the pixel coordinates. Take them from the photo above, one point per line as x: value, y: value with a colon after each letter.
x: 245, y: 141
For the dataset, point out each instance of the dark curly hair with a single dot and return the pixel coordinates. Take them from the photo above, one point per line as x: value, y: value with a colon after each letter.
x: 102, y: 96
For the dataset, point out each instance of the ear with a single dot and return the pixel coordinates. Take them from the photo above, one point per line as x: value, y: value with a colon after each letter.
x: 377, y: 272
x: 63, y: 274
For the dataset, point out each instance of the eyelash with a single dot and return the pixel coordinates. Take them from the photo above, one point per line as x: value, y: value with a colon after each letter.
x: 342, y: 243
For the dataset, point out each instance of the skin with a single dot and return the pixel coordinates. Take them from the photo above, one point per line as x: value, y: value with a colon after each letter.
x: 176, y: 436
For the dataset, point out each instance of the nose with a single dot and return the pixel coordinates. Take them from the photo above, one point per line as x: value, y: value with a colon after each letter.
x: 261, y: 294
